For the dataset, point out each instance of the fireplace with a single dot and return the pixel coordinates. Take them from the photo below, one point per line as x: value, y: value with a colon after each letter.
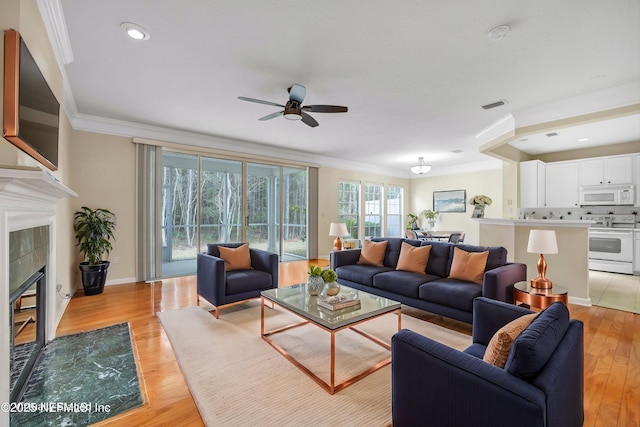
x: 28, y: 253
x: 27, y: 210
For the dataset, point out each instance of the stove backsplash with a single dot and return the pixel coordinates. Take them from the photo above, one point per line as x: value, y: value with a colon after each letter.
x: 577, y: 213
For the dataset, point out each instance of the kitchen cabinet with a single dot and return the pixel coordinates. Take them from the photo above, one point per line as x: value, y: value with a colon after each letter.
x: 562, y: 184
x: 636, y: 173
x: 532, y: 183
x: 636, y: 261
x: 606, y: 170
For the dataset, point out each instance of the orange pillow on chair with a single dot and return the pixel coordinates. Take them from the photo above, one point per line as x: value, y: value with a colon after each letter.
x: 468, y: 266
x: 372, y: 253
x: 236, y: 258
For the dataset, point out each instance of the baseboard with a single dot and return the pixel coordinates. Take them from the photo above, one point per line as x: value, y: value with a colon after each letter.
x: 580, y: 301
x: 120, y: 281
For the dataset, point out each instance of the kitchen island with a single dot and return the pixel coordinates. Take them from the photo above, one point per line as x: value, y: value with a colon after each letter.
x: 568, y: 268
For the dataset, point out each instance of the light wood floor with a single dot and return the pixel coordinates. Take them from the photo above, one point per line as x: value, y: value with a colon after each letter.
x: 612, y: 349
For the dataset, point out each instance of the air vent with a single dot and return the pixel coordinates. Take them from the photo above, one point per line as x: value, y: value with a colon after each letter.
x: 456, y: 151
x: 550, y: 134
x: 494, y: 105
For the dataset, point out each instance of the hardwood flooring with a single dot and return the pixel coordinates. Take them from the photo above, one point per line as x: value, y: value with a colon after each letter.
x: 612, y: 349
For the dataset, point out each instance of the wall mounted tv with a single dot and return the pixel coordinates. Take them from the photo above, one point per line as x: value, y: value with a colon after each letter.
x: 31, y: 110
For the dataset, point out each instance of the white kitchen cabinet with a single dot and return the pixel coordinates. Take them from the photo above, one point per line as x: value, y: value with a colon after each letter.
x: 636, y: 260
x: 636, y: 174
x: 606, y: 170
x: 532, y: 184
x: 562, y: 184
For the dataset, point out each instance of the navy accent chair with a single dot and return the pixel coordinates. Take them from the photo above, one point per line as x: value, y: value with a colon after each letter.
x: 542, y: 383
x: 225, y: 288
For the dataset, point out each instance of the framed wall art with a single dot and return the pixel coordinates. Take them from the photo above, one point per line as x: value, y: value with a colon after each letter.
x: 450, y: 201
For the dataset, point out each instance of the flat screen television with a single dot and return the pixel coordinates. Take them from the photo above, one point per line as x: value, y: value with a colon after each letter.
x: 31, y: 110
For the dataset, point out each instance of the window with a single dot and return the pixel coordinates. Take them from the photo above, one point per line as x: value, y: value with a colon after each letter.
x: 373, y: 210
x: 349, y: 206
x: 394, y: 211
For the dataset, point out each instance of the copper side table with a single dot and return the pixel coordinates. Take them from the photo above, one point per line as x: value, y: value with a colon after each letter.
x: 536, y: 297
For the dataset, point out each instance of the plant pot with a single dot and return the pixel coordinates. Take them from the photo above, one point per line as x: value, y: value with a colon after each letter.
x: 94, y: 277
x: 315, y: 285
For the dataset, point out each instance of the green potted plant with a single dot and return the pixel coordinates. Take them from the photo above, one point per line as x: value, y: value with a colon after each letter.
x: 315, y: 282
x: 412, y: 222
x: 94, y: 231
x: 430, y: 216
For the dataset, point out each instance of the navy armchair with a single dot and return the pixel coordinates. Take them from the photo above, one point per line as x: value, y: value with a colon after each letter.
x: 225, y: 288
x: 542, y: 383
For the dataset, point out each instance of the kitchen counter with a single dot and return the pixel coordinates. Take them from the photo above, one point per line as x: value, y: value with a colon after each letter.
x: 568, y: 268
x: 580, y: 223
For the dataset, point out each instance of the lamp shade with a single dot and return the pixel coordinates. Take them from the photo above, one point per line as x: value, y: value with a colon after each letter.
x: 542, y: 242
x: 338, y: 229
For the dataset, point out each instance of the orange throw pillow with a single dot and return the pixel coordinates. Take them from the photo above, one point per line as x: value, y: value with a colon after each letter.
x: 468, y: 266
x: 372, y: 253
x: 413, y: 258
x: 497, y: 351
x: 236, y: 258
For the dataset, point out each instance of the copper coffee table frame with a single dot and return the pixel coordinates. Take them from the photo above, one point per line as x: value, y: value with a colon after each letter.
x: 330, y: 387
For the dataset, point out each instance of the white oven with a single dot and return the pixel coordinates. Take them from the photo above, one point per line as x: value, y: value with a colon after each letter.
x: 611, y: 249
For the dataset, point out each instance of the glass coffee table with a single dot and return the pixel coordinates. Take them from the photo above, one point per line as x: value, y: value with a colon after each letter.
x: 296, y: 300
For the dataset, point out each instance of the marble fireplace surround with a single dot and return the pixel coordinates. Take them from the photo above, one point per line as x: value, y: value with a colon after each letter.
x: 27, y: 199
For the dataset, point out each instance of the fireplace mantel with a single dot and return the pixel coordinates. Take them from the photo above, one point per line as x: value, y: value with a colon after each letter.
x: 27, y: 199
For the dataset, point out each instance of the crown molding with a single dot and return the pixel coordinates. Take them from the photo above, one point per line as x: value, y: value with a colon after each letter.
x: 51, y: 11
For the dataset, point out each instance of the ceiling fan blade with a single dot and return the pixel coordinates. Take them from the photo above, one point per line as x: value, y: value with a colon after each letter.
x: 325, y: 108
x: 259, y: 101
x: 271, y: 116
x: 297, y: 93
x: 308, y: 120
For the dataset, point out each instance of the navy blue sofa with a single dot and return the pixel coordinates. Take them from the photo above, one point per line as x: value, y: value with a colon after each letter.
x: 542, y: 383
x: 224, y: 288
x: 432, y: 291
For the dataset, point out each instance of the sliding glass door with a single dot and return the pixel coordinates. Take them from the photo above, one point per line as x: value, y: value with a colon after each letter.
x: 210, y: 200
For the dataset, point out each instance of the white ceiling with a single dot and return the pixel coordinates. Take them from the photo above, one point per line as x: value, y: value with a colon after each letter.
x: 413, y: 74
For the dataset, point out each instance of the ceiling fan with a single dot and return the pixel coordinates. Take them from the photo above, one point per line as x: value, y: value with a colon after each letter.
x: 294, y: 110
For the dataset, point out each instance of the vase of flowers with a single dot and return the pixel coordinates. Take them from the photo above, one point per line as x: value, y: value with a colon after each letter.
x: 479, y: 202
x: 430, y: 216
x: 315, y: 282
x: 332, y: 287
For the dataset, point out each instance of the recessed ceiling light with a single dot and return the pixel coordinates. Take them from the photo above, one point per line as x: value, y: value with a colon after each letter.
x: 583, y: 139
x: 499, y: 32
x: 135, y: 31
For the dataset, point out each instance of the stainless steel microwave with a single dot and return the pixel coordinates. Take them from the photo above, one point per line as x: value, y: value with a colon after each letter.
x: 608, y: 195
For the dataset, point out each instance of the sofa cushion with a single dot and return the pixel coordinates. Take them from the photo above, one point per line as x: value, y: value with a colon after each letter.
x: 497, y: 254
x: 360, y: 273
x: 392, y: 252
x: 500, y: 344
x: 451, y: 293
x: 468, y: 266
x: 239, y: 281
x: 535, y: 345
x: 236, y: 258
x: 439, y: 258
x: 402, y: 282
x: 372, y: 253
x: 413, y: 259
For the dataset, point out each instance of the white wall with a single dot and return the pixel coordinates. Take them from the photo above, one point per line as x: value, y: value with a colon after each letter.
x: 488, y: 183
x: 103, y: 175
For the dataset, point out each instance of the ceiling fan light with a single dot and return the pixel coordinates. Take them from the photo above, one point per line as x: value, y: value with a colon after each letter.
x: 292, y: 114
x: 421, y: 167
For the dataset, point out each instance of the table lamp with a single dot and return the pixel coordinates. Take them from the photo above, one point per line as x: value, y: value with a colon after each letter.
x: 338, y: 229
x: 542, y: 242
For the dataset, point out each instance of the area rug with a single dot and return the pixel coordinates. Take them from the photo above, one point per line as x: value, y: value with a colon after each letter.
x: 238, y: 379
x: 82, y: 379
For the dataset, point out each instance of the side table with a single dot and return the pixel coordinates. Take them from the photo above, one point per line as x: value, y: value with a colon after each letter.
x: 540, y: 298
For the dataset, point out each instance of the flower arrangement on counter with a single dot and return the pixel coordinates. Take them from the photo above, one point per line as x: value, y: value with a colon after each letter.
x: 480, y: 200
